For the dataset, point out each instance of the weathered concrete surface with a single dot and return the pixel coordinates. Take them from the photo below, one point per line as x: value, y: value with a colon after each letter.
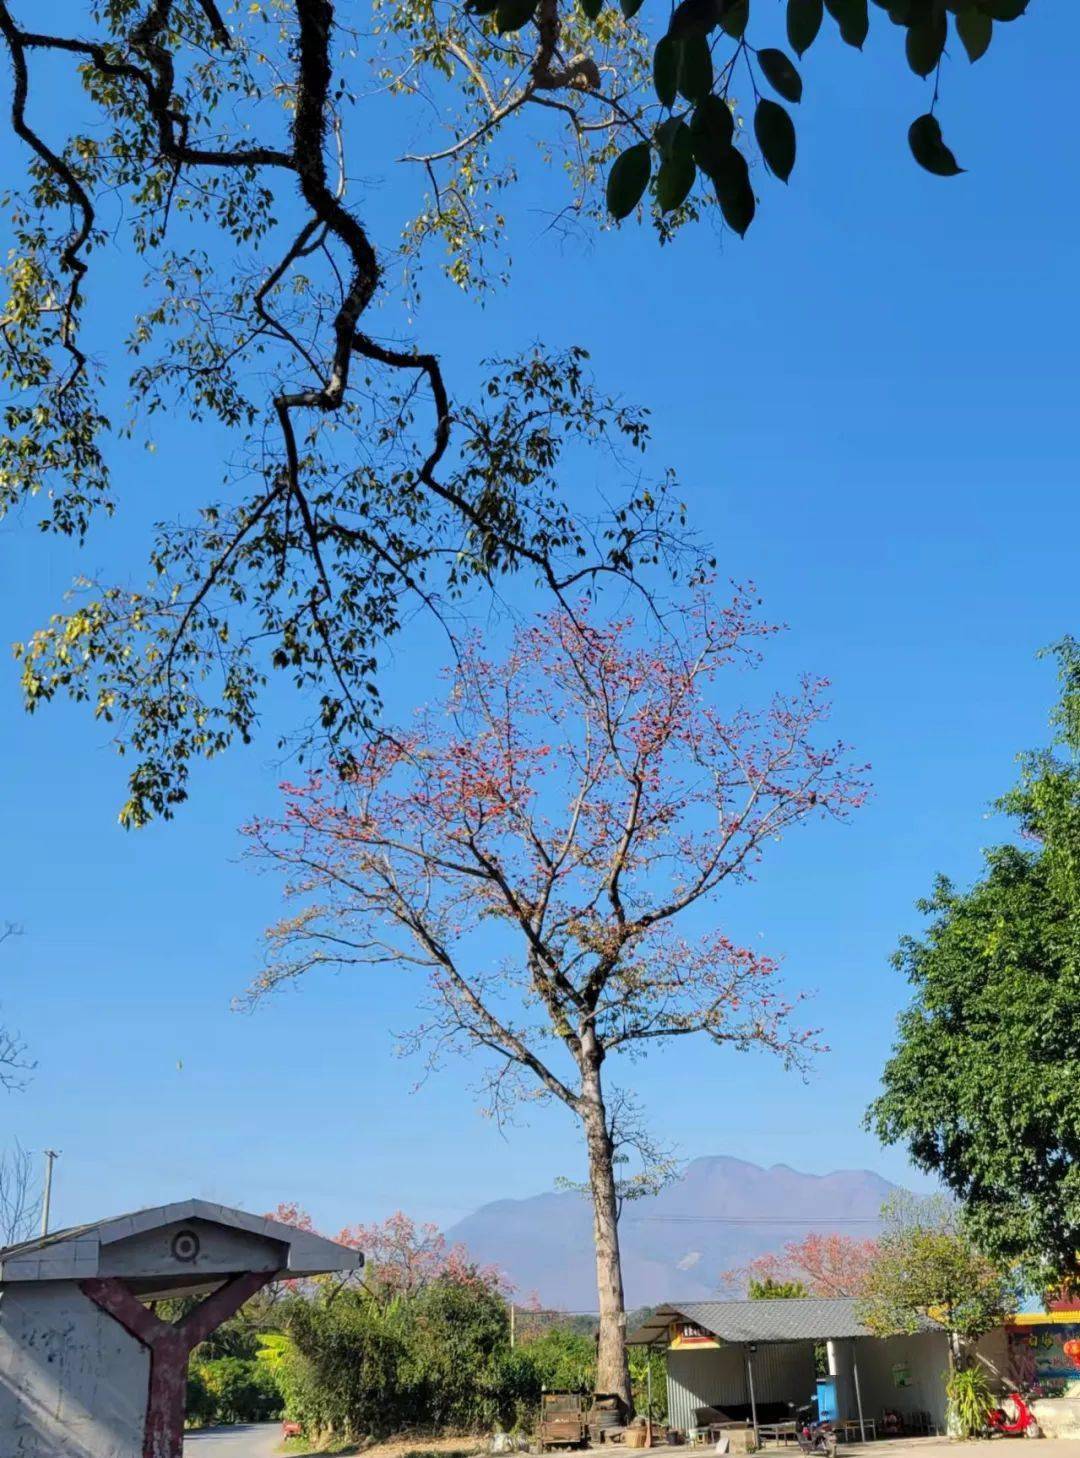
x: 1059, y: 1417
x: 256, y: 1440
x: 86, y: 1368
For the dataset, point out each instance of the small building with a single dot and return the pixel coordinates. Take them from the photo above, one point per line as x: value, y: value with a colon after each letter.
x: 752, y: 1360
x: 87, y: 1368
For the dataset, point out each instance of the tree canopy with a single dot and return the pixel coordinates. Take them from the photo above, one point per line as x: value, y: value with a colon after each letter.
x: 926, y: 1267
x: 216, y: 151
x: 981, y: 1085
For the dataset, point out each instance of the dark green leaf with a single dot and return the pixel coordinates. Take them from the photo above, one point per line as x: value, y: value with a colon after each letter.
x: 513, y: 14
x: 780, y: 74
x: 1003, y: 9
x: 628, y: 179
x: 733, y: 190
x: 853, y: 18
x: 676, y: 177
x: 712, y: 129
x: 695, y: 67
x: 481, y: 7
x: 975, y: 29
x: 775, y: 133
x: 694, y: 17
x: 669, y: 131
x: 666, y: 69
x: 925, y: 42
x: 735, y: 16
x: 803, y: 23
x: 928, y: 149
x: 630, y: 7
x: 592, y: 8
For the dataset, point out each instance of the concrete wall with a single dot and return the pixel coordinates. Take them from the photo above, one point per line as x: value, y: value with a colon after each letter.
x: 221, y: 1250
x: 713, y: 1376
x: 73, y: 1383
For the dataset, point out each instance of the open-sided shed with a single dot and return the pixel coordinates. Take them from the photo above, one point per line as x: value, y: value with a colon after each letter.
x: 87, y: 1369
x: 754, y: 1358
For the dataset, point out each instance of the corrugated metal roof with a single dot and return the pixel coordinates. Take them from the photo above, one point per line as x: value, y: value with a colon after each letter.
x: 808, y: 1318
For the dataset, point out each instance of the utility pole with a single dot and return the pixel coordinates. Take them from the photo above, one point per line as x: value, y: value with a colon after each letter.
x: 46, y: 1199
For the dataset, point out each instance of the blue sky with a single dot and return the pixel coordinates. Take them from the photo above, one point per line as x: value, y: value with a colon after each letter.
x: 871, y: 402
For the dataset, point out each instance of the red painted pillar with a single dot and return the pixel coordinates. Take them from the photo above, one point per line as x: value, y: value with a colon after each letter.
x: 169, y: 1345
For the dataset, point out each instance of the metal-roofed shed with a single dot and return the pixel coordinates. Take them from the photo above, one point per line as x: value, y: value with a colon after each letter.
x: 751, y: 1360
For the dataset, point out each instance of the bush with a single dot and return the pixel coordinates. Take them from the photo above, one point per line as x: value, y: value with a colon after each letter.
x: 563, y: 1360
x: 232, y: 1390
x: 969, y: 1402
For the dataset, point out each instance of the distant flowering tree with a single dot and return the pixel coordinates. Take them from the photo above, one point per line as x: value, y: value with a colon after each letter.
x: 534, y: 842
x: 822, y: 1265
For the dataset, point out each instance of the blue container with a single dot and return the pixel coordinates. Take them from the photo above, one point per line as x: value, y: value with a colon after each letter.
x: 828, y: 1409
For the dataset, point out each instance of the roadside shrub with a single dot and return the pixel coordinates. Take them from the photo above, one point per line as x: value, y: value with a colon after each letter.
x: 969, y: 1402
x: 232, y: 1390
x: 563, y: 1360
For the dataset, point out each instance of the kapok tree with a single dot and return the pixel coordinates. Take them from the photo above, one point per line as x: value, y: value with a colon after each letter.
x: 821, y: 1264
x: 534, y: 844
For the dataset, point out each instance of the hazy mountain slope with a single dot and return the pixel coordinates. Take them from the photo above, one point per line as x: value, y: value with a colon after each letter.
x: 545, y: 1243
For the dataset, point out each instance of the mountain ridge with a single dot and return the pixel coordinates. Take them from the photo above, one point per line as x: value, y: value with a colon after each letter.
x: 721, y: 1213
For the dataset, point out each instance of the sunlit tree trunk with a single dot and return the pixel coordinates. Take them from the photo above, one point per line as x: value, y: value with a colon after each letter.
x: 612, y: 1370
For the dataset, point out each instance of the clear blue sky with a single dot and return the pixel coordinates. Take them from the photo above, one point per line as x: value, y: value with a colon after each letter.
x: 872, y: 402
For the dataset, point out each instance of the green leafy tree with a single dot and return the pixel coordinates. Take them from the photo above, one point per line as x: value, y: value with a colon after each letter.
x: 981, y: 1085
x: 926, y: 1268
x: 212, y: 150
x: 770, y: 1289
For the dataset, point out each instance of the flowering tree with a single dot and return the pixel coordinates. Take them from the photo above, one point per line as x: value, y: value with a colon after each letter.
x: 822, y: 1265
x: 534, y: 843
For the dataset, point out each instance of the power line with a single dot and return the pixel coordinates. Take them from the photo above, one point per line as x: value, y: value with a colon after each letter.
x: 827, y: 1220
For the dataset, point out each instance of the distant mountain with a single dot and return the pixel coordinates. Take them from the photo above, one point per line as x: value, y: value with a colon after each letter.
x: 674, y: 1246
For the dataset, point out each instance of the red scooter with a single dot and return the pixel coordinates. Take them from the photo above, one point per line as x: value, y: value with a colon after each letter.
x: 1022, y: 1425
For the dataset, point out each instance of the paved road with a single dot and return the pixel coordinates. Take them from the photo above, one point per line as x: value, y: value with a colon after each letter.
x: 256, y: 1440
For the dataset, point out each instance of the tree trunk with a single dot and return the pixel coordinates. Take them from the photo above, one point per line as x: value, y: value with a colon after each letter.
x: 612, y: 1370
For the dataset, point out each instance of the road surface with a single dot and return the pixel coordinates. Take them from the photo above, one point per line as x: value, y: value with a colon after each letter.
x: 254, y: 1440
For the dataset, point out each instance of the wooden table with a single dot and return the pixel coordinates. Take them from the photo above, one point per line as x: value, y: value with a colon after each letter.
x: 850, y: 1429
x: 779, y: 1432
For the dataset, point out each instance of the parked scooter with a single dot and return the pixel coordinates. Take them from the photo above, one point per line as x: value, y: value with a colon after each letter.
x: 811, y: 1435
x: 1021, y: 1424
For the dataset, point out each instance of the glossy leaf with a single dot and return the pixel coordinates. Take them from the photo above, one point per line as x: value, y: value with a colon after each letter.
x: 695, y: 68
x: 775, y: 133
x: 734, y: 16
x: 803, y: 23
x: 925, y: 42
x: 1003, y: 9
x: 666, y: 69
x: 780, y: 73
x: 628, y: 179
x: 733, y: 190
x: 676, y: 175
x: 928, y: 148
x: 975, y: 29
x: 511, y: 15
x: 694, y: 17
x: 853, y: 18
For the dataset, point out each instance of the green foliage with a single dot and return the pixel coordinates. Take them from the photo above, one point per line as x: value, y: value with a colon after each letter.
x: 438, y: 1359
x: 981, y: 1085
x: 770, y: 1289
x: 926, y: 1267
x: 232, y: 1390
x: 647, y: 1368
x: 562, y: 1359
x: 969, y: 1402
